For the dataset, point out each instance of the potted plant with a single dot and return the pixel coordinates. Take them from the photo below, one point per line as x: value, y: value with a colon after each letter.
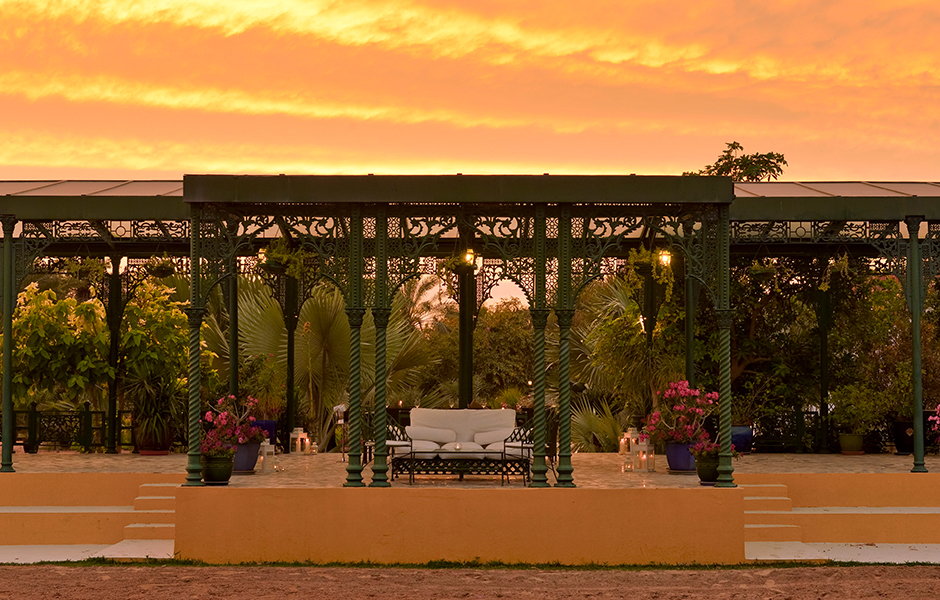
x: 679, y: 423
x: 218, y: 454
x: 160, y: 267
x: 706, y: 460
x: 152, y: 401
x: 233, y: 422
x: 856, y: 409
x: 760, y: 272
x: 280, y: 258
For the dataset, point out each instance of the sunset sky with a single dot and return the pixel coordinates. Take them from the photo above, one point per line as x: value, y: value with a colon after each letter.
x: 846, y: 89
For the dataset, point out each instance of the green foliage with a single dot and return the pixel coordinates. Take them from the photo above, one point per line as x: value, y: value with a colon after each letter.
x: 60, y: 346
x: 153, y: 361
x: 502, y: 351
x: 282, y: 252
x: 745, y: 167
x: 322, y: 345
x: 595, y: 429
x: 857, y: 408
x: 260, y: 378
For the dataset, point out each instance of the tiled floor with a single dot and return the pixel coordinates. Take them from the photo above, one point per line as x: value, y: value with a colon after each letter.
x: 590, y: 470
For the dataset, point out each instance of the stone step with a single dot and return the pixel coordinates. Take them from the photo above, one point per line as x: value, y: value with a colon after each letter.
x: 767, y: 532
x: 752, y: 503
x: 41, y: 525
x: 155, y: 503
x: 775, y: 490
x: 135, y: 550
x: 150, y: 531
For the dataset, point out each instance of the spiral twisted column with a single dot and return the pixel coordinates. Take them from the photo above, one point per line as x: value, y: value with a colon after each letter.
x: 194, y: 316
x: 380, y: 465
x: 565, y: 469
x: 539, y: 468
x: 725, y: 469
x: 354, y: 466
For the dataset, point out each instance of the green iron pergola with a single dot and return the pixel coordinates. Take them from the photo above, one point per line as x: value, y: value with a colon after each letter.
x: 551, y: 235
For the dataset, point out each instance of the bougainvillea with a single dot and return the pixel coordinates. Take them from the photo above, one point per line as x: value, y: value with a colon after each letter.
x: 681, y: 414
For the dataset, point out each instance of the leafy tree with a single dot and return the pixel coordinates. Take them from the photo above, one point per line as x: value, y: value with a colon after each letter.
x: 60, y: 350
x: 745, y: 167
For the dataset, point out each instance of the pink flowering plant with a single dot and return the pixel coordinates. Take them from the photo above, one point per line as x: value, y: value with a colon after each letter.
x: 681, y: 414
x: 228, y: 423
x: 709, y: 449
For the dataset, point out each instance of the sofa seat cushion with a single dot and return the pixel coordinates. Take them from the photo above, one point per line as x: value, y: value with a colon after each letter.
x: 431, y: 434
x: 466, y: 450
x: 485, y: 438
x: 424, y: 448
x: 398, y: 447
x: 513, y: 449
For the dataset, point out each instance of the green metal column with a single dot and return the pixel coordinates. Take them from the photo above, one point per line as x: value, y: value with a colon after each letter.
x: 565, y: 467
x: 380, y: 467
x: 915, y: 287
x: 232, y: 298
x: 824, y: 321
x: 291, y: 317
x: 564, y: 311
x: 725, y: 319
x: 115, y: 312
x: 9, y: 291
x: 194, y: 314
x: 380, y: 316
x: 355, y: 312
x: 354, y: 466
x: 539, y: 468
x: 467, y: 287
x: 539, y: 314
x: 691, y: 295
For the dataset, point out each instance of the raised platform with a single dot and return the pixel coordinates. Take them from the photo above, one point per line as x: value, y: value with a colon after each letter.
x: 301, y: 512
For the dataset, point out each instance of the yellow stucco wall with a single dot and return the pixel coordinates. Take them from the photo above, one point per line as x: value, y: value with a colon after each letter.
x: 853, y: 489
x: 398, y: 525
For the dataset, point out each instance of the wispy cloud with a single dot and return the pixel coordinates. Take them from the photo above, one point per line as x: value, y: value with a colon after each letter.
x: 553, y: 85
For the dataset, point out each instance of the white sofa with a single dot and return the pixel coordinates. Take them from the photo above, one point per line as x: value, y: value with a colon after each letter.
x: 461, y: 441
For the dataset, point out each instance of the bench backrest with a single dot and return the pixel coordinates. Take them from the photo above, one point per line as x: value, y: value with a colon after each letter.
x: 464, y: 422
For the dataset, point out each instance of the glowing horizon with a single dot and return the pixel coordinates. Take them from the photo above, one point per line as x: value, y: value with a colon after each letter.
x: 94, y: 88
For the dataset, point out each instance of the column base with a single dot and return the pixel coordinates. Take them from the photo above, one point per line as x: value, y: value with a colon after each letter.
x: 539, y: 473
x: 565, y: 480
x: 380, y: 472
x: 354, y: 472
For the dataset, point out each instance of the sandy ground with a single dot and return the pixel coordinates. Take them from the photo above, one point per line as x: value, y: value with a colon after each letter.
x: 114, y: 582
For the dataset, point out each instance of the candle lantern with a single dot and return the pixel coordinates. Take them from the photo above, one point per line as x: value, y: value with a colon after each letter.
x: 642, y: 456
x: 626, y: 449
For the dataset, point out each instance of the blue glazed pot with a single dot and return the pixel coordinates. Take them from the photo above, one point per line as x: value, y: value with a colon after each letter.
x: 270, y: 427
x: 246, y: 455
x: 741, y: 438
x: 680, y: 459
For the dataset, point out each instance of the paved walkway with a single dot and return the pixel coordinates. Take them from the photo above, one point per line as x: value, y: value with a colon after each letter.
x: 590, y: 470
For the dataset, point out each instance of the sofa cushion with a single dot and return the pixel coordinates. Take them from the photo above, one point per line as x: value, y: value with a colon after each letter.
x: 466, y: 450
x: 465, y: 422
x: 424, y: 448
x: 433, y: 434
x: 496, y: 435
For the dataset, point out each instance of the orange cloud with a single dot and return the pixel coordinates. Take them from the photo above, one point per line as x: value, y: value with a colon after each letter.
x: 644, y: 86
